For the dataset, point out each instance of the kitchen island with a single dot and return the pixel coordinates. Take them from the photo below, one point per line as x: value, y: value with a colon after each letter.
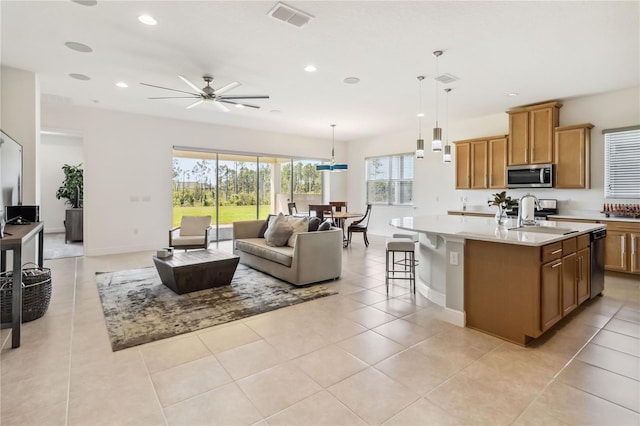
x: 512, y: 282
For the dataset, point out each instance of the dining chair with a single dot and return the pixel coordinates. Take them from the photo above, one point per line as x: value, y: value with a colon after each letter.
x: 292, y: 208
x: 360, y: 226
x: 339, y: 205
x: 321, y: 211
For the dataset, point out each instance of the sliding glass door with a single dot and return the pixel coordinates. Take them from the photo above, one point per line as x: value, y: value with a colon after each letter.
x: 235, y: 186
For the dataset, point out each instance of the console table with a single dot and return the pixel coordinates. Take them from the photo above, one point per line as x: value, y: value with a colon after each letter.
x: 15, y: 237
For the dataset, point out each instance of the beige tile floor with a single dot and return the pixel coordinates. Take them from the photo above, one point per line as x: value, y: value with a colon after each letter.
x: 351, y: 359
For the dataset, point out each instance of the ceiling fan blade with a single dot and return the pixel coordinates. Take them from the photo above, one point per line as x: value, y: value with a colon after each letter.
x: 190, y: 84
x: 222, y: 107
x: 239, y: 103
x: 173, y: 90
x: 244, y: 97
x: 196, y: 103
x: 174, y: 97
x: 226, y: 88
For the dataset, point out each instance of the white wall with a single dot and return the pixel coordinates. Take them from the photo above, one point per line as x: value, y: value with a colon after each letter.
x: 20, y: 118
x: 56, y: 150
x: 434, y: 182
x: 127, y: 179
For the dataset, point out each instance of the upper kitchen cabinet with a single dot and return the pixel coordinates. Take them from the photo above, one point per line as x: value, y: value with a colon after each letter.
x: 571, y: 156
x: 481, y: 162
x: 531, y: 131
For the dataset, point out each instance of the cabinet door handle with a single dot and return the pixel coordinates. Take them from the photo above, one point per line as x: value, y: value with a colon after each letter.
x: 622, y: 244
x: 556, y: 265
x: 556, y: 251
x: 633, y: 245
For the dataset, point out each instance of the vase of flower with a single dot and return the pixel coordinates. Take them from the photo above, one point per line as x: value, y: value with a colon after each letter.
x: 501, y: 216
x: 504, y: 203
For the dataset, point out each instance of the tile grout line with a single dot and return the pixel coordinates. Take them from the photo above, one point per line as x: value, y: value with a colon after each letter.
x: 71, y: 332
x: 555, y: 376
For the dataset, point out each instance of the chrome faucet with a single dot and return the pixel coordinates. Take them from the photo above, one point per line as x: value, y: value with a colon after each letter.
x: 521, y: 220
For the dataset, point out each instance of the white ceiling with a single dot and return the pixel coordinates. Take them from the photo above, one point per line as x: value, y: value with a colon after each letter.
x: 541, y: 50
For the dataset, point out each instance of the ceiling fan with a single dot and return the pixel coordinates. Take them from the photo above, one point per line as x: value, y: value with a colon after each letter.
x: 209, y: 94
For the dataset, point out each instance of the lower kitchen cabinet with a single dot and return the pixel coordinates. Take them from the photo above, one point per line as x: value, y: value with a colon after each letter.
x: 551, y: 289
x: 622, y: 247
x: 551, y: 282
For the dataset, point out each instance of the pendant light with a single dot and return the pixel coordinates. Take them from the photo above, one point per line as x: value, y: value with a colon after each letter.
x: 420, y: 141
x: 436, y: 143
x: 332, y: 166
x: 446, y: 153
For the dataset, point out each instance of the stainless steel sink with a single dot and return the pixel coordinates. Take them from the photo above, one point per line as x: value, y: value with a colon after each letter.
x: 544, y: 230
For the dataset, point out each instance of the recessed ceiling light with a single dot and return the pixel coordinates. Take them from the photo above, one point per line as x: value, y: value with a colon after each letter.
x: 80, y: 76
x: 275, y: 111
x: 78, y: 47
x: 420, y: 114
x: 310, y: 68
x: 147, y: 20
x: 352, y: 80
x: 122, y: 84
x: 239, y: 106
x: 513, y: 94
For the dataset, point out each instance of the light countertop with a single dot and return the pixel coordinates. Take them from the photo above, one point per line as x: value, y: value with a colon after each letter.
x: 486, y: 229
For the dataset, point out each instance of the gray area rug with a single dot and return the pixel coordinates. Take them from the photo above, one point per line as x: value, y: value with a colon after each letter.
x: 139, y: 309
x: 54, y: 247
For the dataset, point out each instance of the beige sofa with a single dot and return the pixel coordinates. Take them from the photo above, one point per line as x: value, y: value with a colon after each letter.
x: 316, y: 256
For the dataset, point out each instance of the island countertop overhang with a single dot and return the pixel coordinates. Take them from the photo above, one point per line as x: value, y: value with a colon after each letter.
x: 486, y: 229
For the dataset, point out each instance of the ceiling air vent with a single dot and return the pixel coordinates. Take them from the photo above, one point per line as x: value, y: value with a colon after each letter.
x: 446, y: 78
x: 290, y: 15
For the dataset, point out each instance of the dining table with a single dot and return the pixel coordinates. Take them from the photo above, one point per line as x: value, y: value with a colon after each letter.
x: 341, y: 218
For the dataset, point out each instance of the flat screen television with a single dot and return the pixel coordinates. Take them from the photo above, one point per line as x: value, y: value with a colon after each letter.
x: 10, y: 173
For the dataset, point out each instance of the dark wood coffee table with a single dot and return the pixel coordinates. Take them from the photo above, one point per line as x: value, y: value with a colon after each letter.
x: 189, y: 271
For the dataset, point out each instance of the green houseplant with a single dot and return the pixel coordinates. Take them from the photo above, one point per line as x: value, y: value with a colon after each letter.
x: 72, y: 185
x: 504, y: 203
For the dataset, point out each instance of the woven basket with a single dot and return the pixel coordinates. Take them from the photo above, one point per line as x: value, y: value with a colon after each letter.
x: 36, y: 293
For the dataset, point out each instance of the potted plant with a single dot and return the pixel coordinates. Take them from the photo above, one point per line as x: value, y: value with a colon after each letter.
x: 72, y: 185
x: 504, y: 203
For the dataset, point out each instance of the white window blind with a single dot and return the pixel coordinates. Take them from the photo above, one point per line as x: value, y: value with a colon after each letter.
x: 390, y: 179
x: 622, y: 162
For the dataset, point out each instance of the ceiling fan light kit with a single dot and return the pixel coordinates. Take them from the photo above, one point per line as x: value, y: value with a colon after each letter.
x: 209, y: 94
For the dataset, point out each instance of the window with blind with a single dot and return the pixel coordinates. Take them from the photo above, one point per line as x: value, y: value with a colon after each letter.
x: 622, y: 162
x: 390, y: 179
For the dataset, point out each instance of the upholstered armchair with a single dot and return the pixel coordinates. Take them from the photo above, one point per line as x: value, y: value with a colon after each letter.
x: 193, y: 233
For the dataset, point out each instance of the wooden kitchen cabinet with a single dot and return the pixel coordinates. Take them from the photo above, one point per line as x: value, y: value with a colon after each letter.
x: 531, y: 132
x: 481, y: 162
x: 551, y: 284
x: 569, y: 276
x: 463, y: 166
x: 552, y: 281
x: 497, y: 168
x: 583, y: 259
x: 571, y: 156
x: 622, y: 247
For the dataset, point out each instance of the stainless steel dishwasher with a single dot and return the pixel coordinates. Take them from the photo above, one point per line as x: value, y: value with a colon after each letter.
x: 597, y: 261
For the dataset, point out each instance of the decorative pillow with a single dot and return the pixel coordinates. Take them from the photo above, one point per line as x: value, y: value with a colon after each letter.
x: 314, y: 222
x: 265, y: 226
x: 325, y: 226
x: 278, y: 232
x: 298, y: 224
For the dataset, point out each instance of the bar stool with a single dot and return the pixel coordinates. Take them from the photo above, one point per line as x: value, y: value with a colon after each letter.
x: 411, y: 236
x: 406, y: 267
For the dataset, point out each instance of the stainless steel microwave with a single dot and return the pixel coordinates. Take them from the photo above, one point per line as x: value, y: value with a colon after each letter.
x: 530, y: 176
